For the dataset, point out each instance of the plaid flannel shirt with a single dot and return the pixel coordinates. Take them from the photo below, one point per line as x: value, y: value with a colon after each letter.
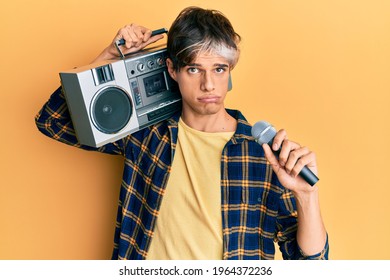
x: 257, y: 210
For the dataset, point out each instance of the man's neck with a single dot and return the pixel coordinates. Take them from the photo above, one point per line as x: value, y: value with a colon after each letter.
x: 219, y: 122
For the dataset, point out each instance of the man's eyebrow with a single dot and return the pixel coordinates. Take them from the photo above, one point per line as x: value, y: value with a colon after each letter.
x: 200, y: 65
x: 222, y: 65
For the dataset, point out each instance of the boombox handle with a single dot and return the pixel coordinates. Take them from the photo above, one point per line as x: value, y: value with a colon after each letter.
x: 122, y: 41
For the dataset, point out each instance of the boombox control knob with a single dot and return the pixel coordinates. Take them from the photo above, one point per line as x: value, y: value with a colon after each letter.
x: 160, y: 61
x: 141, y: 67
x: 150, y: 64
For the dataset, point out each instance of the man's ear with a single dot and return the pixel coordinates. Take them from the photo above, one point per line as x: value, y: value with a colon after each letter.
x: 171, y: 70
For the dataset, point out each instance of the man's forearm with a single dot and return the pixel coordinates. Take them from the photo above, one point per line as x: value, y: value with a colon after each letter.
x: 311, y: 234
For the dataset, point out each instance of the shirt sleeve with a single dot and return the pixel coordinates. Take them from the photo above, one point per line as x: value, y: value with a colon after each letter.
x: 287, y: 224
x: 54, y: 121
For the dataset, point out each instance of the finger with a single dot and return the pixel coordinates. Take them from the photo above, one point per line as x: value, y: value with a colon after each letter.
x: 144, y: 33
x: 136, y: 40
x: 287, y: 147
x: 137, y: 30
x: 308, y: 160
x: 271, y: 158
x: 280, y: 136
x: 123, y: 33
x: 293, y: 157
x: 151, y: 40
x: 154, y: 39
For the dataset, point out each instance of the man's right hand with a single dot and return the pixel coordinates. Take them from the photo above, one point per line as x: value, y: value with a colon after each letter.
x: 136, y: 38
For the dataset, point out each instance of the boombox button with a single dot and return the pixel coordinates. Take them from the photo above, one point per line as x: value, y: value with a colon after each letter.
x: 141, y: 67
x: 160, y: 61
x: 150, y: 64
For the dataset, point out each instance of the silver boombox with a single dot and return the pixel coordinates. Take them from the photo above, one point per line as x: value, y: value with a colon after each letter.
x: 114, y: 98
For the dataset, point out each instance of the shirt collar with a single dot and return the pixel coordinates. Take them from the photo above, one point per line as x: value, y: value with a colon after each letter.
x: 243, y: 130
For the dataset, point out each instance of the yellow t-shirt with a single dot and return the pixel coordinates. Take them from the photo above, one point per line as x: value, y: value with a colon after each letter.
x: 189, y: 224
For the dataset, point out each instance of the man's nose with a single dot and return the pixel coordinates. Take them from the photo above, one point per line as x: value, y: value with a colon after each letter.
x: 207, y: 82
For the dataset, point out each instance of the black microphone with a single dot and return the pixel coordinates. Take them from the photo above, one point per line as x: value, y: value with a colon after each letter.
x: 263, y: 132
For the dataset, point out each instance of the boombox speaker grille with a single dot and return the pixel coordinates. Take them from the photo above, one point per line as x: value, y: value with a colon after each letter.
x: 111, y: 110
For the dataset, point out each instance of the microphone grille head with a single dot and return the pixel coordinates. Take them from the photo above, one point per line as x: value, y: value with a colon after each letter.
x: 263, y: 132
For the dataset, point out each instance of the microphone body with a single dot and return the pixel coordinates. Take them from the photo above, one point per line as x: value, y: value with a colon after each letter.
x: 263, y: 132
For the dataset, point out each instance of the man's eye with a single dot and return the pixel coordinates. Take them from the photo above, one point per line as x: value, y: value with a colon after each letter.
x: 193, y: 70
x: 220, y: 70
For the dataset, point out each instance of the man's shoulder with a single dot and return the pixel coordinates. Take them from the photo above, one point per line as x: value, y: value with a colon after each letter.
x: 244, y: 128
x: 157, y: 130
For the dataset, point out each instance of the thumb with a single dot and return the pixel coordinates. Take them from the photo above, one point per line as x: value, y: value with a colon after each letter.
x: 153, y: 39
x: 149, y: 41
x: 276, y: 167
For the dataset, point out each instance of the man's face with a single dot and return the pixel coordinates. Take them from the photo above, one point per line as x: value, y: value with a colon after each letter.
x: 203, y: 84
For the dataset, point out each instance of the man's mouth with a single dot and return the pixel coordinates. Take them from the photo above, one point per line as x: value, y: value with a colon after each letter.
x: 209, y: 99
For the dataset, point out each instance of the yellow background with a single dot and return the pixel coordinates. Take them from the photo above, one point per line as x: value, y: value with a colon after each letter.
x: 319, y: 69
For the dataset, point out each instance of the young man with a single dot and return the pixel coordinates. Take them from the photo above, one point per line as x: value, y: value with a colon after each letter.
x: 197, y: 186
